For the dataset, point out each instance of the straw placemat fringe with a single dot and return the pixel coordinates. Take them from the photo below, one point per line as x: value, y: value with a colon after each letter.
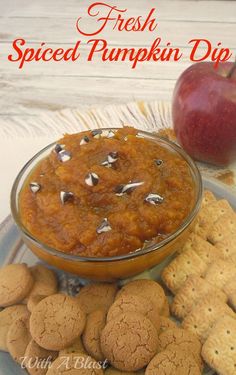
x: 150, y: 116
x: 142, y: 115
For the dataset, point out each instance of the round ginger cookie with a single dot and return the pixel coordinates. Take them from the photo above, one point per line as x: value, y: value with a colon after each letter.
x: 37, y: 360
x: 18, y: 338
x: 183, y: 338
x: 33, y: 301
x: 45, y: 281
x: 76, y: 347
x: 94, y: 297
x: 16, y: 282
x: 172, y: 363
x: 56, y: 322
x: 129, y: 341
x: 7, y: 317
x: 166, y: 309
x: 114, y: 371
x: 95, y: 323
x: 74, y: 364
x: 166, y: 323
x: 134, y: 303
x: 148, y: 289
x: 184, y: 348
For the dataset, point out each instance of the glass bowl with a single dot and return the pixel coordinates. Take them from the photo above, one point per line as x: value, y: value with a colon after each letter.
x: 117, y: 267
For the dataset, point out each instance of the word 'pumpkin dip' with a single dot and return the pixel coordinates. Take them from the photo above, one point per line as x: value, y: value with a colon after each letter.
x: 106, y: 193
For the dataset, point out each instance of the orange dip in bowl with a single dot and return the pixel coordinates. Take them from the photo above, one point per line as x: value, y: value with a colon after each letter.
x: 106, y: 194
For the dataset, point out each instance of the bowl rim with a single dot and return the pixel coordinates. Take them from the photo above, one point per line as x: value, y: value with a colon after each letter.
x: 137, y: 253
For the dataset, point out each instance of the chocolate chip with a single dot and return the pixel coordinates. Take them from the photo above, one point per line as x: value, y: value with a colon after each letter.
x: 96, y: 133
x: 112, y: 157
x: 58, y: 148
x: 107, y: 133
x: 66, y: 196
x: 106, y: 164
x: 84, y: 140
x: 91, y: 179
x: 64, y: 156
x: 34, y: 187
x: 110, y: 134
x: 154, y: 198
x: 158, y: 162
x: 128, y: 188
x: 104, y: 226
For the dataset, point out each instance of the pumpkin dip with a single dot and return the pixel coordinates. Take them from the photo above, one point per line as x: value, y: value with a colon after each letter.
x: 106, y: 193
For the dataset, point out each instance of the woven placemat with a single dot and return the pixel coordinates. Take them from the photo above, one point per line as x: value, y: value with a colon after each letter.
x: 151, y: 116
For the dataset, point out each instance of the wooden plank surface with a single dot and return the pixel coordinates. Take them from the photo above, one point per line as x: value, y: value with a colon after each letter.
x: 216, y: 11
x: 63, y: 30
x: 51, y: 85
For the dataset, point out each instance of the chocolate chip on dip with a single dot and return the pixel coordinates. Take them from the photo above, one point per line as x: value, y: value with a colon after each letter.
x: 64, y: 156
x: 154, y: 198
x: 158, y: 162
x: 91, y: 179
x: 35, y: 187
x: 104, y: 226
x: 84, y: 140
x: 96, y: 133
x: 128, y: 188
x: 66, y: 196
x: 112, y: 157
x: 58, y: 148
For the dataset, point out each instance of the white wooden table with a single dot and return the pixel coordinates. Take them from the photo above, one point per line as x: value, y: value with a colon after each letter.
x: 53, y: 86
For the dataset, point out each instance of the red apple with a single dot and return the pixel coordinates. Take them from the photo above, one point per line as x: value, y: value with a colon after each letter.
x: 204, y: 112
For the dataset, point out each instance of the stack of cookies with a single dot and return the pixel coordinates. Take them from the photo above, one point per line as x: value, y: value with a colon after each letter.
x: 100, y: 330
x: 202, y: 278
x: 131, y: 333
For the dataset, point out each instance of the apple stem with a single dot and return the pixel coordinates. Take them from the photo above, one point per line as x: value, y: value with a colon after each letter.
x: 231, y: 72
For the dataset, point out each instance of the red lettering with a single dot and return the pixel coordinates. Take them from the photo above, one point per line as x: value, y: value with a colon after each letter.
x: 132, y: 54
x: 72, y: 53
x: 103, y: 19
x: 94, y: 47
x: 41, y: 53
x: 115, y: 14
x: 220, y: 55
x: 197, y: 43
x: 216, y: 55
x: 151, y: 22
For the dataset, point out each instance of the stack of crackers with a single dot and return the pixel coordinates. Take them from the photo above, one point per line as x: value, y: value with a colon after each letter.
x: 101, y: 330
x: 202, y: 278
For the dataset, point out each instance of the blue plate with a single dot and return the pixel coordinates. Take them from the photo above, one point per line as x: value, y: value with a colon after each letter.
x: 12, y: 250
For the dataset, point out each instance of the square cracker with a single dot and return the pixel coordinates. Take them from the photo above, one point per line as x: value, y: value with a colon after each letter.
x: 193, y: 290
x: 217, y: 209
x: 206, y: 251
x: 204, y: 315
x: 209, y: 214
x: 230, y: 287
x: 208, y: 197
x: 219, y: 350
x: 220, y: 272
x: 224, y: 227
x: 227, y: 247
x: 232, y: 300
x: 186, y: 264
x: 232, y: 259
x: 230, y: 290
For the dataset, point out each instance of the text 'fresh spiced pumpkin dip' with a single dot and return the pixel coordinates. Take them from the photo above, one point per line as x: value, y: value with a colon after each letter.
x: 106, y: 193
